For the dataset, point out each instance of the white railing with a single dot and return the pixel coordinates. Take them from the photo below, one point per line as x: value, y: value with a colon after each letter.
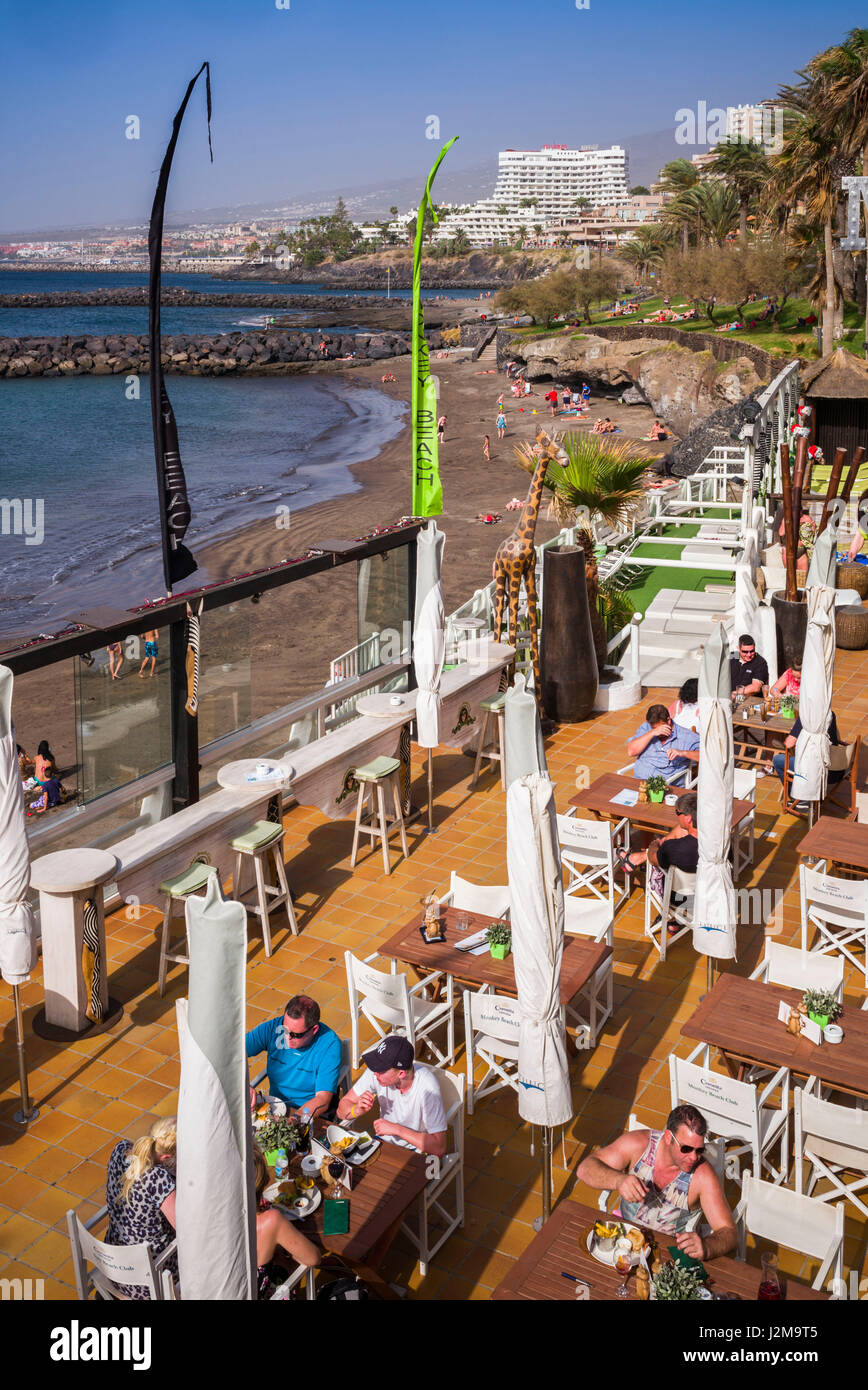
x: 364, y: 657
x: 777, y: 411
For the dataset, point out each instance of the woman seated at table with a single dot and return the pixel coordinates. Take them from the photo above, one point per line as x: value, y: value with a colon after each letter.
x: 685, y: 708
x: 140, y: 1196
x: 275, y: 1233
x: 662, y: 1177
x: 790, y: 683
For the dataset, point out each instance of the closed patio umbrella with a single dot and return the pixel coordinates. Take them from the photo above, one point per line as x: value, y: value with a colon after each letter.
x: 818, y: 672
x: 714, y: 911
x: 216, y: 1202
x: 429, y: 644
x: 17, y: 925
x: 746, y: 603
x: 537, y: 912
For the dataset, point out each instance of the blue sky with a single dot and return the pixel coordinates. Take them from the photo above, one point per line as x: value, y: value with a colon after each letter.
x: 334, y: 93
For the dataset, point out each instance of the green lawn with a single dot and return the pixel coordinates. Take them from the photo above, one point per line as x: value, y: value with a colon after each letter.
x: 648, y: 585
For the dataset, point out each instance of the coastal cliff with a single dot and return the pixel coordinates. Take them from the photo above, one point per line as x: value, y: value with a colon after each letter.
x: 478, y: 269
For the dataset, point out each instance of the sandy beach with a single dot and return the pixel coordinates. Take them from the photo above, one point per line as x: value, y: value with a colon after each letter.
x: 295, y: 632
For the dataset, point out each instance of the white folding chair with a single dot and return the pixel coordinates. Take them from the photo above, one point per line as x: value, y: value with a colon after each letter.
x: 795, y: 968
x: 388, y: 999
x: 736, y: 1111
x: 490, y: 899
x: 585, y: 917
x: 833, y: 1139
x: 292, y: 1281
x: 770, y: 1212
x: 744, y: 789
x: 115, y: 1264
x: 838, y: 909
x: 492, y: 1023
x: 660, y: 909
x: 588, y: 855
x: 449, y: 1173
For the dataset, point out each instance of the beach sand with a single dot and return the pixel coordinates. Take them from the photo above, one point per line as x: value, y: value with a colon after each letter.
x: 293, y: 633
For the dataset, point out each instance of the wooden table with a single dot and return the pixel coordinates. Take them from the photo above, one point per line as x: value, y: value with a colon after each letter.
x: 560, y: 1248
x: 842, y: 842
x: 740, y: 1017
x: 653, y: 815
x: 751, y: 753
x: 581, y: 959
x: 383, y: 1190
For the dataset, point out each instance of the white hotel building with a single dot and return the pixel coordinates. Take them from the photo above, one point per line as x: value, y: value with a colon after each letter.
x: 548, y: 182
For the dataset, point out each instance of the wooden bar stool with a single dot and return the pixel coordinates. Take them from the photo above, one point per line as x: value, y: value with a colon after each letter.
x: 372, y: 780
x: 261, y: 840
x: 494, y: 708
x: 178, y: 889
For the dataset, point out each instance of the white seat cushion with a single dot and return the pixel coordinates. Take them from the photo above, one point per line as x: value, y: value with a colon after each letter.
x: 584, y: 917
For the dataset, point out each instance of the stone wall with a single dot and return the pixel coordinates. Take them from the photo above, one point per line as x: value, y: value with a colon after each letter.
x: 197, y: 354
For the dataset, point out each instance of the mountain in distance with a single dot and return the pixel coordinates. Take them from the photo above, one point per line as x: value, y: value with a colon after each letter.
x: 649, y: 151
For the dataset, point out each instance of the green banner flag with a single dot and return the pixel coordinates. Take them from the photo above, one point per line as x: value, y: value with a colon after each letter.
x: 427, y: 490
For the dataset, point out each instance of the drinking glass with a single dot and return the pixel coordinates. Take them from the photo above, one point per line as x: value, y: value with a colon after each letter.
x: 770, y: 1287
x: 623, y: 1264
x: 462, y: 922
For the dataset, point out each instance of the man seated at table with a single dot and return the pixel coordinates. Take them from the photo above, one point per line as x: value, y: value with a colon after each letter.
x: 748, y: 672
x: 779, y: 760
x: 304, y: 1056
x: 411, y: 1107
x: 661, y: 747
x: 679, y: 848
x: 662, y: 1177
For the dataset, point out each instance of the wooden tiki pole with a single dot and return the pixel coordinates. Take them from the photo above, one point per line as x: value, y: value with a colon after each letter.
x: 832, y: 489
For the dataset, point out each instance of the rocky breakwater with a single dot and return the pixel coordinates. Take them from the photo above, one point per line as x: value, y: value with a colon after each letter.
x: 682, y: 386
x: 199, y: 354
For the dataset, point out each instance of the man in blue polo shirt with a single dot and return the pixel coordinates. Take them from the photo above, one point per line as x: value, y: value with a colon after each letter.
x: 304, y: 1055
x: 660, y: 747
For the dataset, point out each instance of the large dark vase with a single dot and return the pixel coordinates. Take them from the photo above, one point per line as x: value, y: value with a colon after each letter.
x: 791, y: 622
x: 567, y: 658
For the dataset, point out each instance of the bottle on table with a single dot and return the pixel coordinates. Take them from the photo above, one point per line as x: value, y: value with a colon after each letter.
x: 306, y: 1119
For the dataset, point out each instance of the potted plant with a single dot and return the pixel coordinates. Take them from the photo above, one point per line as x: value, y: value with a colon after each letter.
x: 788, y: 707
x: 499, y: 938
x: 281, y: 1132
x: 674, y: 1284
x: 656, y: 788
x: 822, y: 1006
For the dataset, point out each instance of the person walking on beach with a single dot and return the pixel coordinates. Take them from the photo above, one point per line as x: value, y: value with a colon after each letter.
x: 441, y: 429
x: 501, y: 426
x: 486, y: 448
x: 500, y: 401
x: 152, y: 651
x: 116, y: 659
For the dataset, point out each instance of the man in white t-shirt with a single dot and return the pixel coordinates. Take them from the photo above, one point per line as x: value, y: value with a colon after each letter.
x: 411, y: 1107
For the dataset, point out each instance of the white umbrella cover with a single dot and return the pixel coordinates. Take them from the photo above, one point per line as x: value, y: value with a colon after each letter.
x: 17, y: 925
x: 429, y: 634
x: 537, y: 913
x: 216, y: 1202
x: 714, y: 909
x: 818, y: 672
x: 746, y: 603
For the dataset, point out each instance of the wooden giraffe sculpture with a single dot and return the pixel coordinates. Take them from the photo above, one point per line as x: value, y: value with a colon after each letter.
x: 515, y: 561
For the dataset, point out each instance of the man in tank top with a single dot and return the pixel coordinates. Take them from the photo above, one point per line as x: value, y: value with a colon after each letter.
x: 662, y: 1177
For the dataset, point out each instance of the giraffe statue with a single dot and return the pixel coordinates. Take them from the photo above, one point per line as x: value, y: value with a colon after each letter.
x: 515, y: 561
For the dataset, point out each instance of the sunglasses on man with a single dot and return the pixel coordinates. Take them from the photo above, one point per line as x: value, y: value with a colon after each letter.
x: 698, y: 1149
x: 302, y: 1034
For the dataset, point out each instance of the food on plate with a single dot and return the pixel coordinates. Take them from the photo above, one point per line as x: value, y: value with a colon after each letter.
x: 304, y: 1185
x: 606, y: 1230
x: 636, y: 1238
x: 340, y: 1145
x: 263, y: 1111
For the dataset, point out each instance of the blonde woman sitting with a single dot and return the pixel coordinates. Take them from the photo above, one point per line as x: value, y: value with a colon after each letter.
x: 140, y: 1195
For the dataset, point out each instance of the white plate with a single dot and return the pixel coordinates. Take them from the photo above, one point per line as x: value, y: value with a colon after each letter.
x: 607, y: 1257
x: 336, y: 1132
x: 364, y: 1152
x: 289, y: 1212
x: 277, y: 1109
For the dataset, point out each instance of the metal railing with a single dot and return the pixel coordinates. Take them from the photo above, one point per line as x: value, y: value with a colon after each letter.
x: 777, y: 411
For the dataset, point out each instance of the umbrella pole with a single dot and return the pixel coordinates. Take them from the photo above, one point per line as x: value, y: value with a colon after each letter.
x: 430, y: 791
x: 546, y: 1153
x: 26, y: 1113
x: 709, y: 978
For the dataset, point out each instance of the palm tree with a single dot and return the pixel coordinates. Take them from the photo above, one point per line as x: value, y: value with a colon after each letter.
x: 645, y: 248
x: 601, y: 480
x: 712, y: 207
x: 677, y: 177
x: 743, y: 165
x: 843, y: 72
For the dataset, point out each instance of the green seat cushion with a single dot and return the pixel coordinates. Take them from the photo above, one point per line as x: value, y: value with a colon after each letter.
x: 495, y: 702
x: 374, y: 771
x: 190, y: 881
x: 257, y: 837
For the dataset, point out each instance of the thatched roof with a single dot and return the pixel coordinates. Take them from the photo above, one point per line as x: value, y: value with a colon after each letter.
x: 839, y: 376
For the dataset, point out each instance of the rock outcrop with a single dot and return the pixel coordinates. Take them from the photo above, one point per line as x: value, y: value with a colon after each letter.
x: 684, y: 387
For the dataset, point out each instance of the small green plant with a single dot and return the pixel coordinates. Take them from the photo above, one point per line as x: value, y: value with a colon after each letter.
x: 821, y: 1003
x: 656, y: 784
x: 788, y: 707
x: 499, y: 934
x: 281, y: 1132
x: 674, y: 1284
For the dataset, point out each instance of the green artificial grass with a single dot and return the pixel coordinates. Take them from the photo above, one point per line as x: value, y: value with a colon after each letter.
x: 646, y: 589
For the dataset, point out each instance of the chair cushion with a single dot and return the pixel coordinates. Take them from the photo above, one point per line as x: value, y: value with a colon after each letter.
x: 377, y: 769
x: 257, y: 837
x: 494, y: 702
x: 190, y: 881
